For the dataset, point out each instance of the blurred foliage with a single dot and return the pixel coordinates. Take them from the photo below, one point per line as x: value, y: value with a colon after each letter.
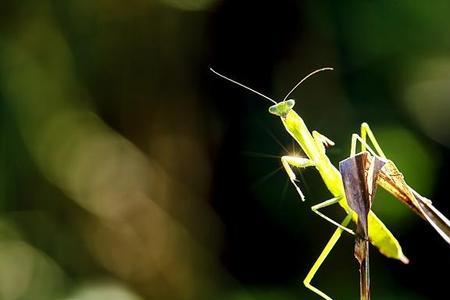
x: 127, y: 171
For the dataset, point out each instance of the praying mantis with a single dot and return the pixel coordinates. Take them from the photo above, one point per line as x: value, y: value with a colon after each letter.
x: 314, y: 146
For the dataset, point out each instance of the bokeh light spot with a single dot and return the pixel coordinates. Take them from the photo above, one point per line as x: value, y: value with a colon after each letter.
x: 427, y: 98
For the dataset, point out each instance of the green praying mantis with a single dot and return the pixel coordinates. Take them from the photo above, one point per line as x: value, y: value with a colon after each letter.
x: 314, y: 146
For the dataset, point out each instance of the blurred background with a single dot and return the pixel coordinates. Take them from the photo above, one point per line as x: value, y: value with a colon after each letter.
x: 128, y: 171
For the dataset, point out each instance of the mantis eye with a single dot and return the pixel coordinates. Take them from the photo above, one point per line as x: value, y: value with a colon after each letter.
x: 281, y: 109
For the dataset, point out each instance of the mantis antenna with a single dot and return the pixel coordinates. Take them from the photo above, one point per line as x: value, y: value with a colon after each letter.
x: 244, y: 86
x: 306, y: 77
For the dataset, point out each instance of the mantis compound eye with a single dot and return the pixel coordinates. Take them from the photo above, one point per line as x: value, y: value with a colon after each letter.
x: 281, y: 109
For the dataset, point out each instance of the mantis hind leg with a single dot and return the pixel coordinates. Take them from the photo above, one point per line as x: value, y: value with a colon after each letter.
x: 328, y: 247
x: 366, y: 132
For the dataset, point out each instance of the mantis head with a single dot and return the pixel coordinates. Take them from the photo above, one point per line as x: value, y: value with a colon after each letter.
x: 282, y: 108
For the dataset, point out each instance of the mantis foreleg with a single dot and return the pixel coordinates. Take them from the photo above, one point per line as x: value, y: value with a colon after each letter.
x: 299, y: 162
x: 322, y: 142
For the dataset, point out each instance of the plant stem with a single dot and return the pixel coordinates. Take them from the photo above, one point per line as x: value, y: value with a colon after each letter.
x: 364, y: 271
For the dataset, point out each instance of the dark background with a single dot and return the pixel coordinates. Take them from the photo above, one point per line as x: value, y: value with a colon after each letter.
x: 129, y: 171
